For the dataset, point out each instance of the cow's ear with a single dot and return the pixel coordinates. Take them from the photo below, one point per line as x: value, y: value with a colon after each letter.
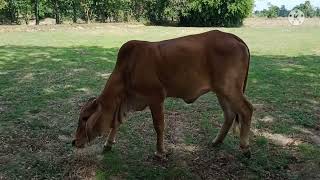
x: 80, y: 106
x: 92, y: 99
x: 87, y: 103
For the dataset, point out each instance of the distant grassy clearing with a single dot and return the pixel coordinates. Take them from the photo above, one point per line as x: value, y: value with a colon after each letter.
x: 47, y: 73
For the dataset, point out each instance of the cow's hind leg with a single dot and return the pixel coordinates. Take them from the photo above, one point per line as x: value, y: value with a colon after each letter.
x: 229, y: 116
x: 244, y: 110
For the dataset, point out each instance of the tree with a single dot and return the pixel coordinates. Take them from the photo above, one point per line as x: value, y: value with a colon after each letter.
x: 3, y: 3
x: 137, y: 8
x: 174, y: 9
x: 155, y: 10
x: 183, y: 12
x: 111, y: 9
x: 273, y: 11
x: 215, y: 12
x: 12, y: 11
x: 56, y: 11
x: 283, y: 11
x: 75, y: 7
x: 24, y: 9
x: 36, y: 11
x: 318, y: 12
x: 307, y: 8
x: 86, y: 6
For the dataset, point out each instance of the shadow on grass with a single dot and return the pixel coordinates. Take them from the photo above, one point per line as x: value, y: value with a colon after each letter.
x: 41, y: 88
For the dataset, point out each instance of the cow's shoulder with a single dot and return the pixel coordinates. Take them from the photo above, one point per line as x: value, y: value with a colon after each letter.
x: 127, y: 48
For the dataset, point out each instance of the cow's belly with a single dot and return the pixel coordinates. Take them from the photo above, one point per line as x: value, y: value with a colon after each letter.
x: 188, y: 91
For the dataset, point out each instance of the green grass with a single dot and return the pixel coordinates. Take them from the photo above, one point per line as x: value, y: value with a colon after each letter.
x: 46, y: 75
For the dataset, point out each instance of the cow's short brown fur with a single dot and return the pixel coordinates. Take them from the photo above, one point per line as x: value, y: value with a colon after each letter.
x: 187, y: 67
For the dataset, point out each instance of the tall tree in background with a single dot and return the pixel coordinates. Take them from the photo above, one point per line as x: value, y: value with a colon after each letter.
x: 283, y: 12
x: 86, y: 6
x: 56, y: 11
x: 174, y: 9
x: 307, y: 8
x: 12, y: 11
x: 183, y: 12
x: 36, y: 11
x: 25, y: 10
x: 318, y: 12
x: 155, y: 10
x: 102, y: 9
x: 137, y: 9
x: 3, y: 3
x: 216, y: 12
x: 273, y: 11
x: 75, y: 7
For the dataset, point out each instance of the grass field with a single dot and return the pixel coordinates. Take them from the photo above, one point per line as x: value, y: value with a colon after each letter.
x: 47, y: 72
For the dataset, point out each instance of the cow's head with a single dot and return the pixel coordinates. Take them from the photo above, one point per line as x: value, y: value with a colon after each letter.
x: 93, y: 122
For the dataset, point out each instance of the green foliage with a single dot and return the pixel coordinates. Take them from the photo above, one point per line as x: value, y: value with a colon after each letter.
x: 307, y: 8
x: 274, y: 11
x: 3, y: 3
x: 283, y: 12
x: 310, y: 152
x: 24, y: 9
x: 86, y: 7
x: 184, y: 12
x: 318, y: 12
x: 137, y: 9
x: 216, y: 12
x: 155, y: 10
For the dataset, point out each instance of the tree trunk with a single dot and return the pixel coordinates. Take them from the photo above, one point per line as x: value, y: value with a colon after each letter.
x: 87, y: 16
x: 12, y: 11
x: 126, y: 16
x: 36, y: 11
x: 56, y: 9
x: 74, y: 13
x: 26, y: 16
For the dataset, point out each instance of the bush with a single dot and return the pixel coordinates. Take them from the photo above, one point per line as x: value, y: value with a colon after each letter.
x: 215, y: 12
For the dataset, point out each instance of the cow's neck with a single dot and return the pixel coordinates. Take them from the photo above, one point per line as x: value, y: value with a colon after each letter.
x: 113, y: 91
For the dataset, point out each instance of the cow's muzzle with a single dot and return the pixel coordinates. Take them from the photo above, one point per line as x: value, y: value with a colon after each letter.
x: 76, y: 144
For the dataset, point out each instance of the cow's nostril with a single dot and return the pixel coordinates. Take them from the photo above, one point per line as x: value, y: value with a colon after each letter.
x: 73, y: 143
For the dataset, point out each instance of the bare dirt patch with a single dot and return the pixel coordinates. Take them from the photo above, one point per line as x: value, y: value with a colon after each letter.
x: 201, y: 159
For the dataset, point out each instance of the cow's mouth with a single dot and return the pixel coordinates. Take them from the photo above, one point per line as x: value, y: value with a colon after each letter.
x: 75, y: 143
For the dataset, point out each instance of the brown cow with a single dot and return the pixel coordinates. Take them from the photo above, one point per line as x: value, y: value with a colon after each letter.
x: 186, y: 67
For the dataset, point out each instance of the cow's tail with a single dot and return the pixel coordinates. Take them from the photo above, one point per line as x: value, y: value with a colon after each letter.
x: 246, y: 78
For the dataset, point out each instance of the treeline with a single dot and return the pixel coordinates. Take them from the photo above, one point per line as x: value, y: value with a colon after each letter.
x: 274, y: 11
x: 178, y: 12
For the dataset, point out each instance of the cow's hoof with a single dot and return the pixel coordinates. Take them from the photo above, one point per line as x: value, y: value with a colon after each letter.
x: 107, y: 148
x: 163, y: 156
x: 246, y: 153
x: 216, y: 143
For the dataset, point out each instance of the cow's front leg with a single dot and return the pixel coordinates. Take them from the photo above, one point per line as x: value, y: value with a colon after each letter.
x: 158, y: 122
x: 111, y: 140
